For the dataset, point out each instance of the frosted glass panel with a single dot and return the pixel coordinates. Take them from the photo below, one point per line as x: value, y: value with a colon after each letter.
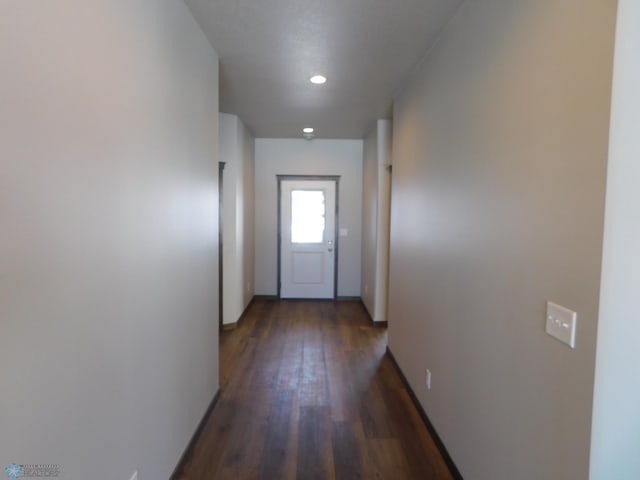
x: 307, y: 216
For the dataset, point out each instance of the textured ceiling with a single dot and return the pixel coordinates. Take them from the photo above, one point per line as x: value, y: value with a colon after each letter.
x: 268, y: 50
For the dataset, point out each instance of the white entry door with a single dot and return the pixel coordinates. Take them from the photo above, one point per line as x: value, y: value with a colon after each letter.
x: 307, y: 242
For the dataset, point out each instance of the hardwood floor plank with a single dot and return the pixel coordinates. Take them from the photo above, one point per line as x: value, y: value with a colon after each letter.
x: 315, y: 455
x: 343, y: 399
x: 307, y: 392
x: 292, y: 354
x: 313, y: 388
x: 385, y: 460
x: 346, y: 454
x: 206, y: 455
x: 386, y: 376
x: 428, y: 447
x: 406, y: 428
x: 278, y: 436
x: 246, y: 440
x: 375, y: 417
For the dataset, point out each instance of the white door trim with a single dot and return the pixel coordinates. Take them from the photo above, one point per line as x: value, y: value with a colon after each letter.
x: 331, y: 178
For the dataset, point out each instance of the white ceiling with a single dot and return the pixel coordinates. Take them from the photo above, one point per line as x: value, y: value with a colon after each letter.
x: 269, y: 48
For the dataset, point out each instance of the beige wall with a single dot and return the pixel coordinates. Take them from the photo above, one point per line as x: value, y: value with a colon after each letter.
x: 108, y: 251
x: 369, y: 219
x: 302, y: 157
x: 616, y: 416
x: 500, y: 148
x: 376, y: 191
x: 248, y: 215
x: 237, y: 151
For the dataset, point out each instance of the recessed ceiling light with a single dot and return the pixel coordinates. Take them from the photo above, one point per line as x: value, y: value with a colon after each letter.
x: 307, y: 130
x: 318, y: 79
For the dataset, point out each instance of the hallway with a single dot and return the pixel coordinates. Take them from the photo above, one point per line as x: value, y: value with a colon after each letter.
x: 307, y: 392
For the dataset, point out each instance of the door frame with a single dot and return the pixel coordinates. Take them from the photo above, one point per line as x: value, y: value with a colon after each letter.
x: 329, y: 178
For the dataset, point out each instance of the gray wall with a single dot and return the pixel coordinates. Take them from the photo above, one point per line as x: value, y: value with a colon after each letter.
x: 500, y: 148
x: 237, y: 151
x: 248, y: 215
x: 302, y: 157
x: 369, y: 219
x: 616, y: 416
x: 108, y: 255
x: 376, y: 191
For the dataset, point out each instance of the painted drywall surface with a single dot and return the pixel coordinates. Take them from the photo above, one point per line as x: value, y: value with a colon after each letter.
x: 231, y: 227
x: 376, y: 183
x: 499, y: 161
x: 369, y: 219
x: 615, y: 439
x: 236, y: 150
x: 108, y: 257
x: 384, y: 213
x: 301, y: 157
x: 248, y: 218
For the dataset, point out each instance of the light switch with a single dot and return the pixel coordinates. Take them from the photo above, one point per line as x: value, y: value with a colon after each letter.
x: 344, y: 232
x: 561, y: 323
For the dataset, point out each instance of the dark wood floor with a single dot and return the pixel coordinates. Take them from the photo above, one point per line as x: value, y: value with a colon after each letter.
x: 308, y: 393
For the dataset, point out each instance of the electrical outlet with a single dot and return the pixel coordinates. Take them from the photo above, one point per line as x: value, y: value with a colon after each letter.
x: 134, y: 476
x: 428, y: 379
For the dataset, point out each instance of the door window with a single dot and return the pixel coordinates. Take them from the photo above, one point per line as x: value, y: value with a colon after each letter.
x: 307, y: 216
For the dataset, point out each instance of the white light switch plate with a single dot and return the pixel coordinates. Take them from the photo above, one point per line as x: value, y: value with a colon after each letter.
x: 561, y: 323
